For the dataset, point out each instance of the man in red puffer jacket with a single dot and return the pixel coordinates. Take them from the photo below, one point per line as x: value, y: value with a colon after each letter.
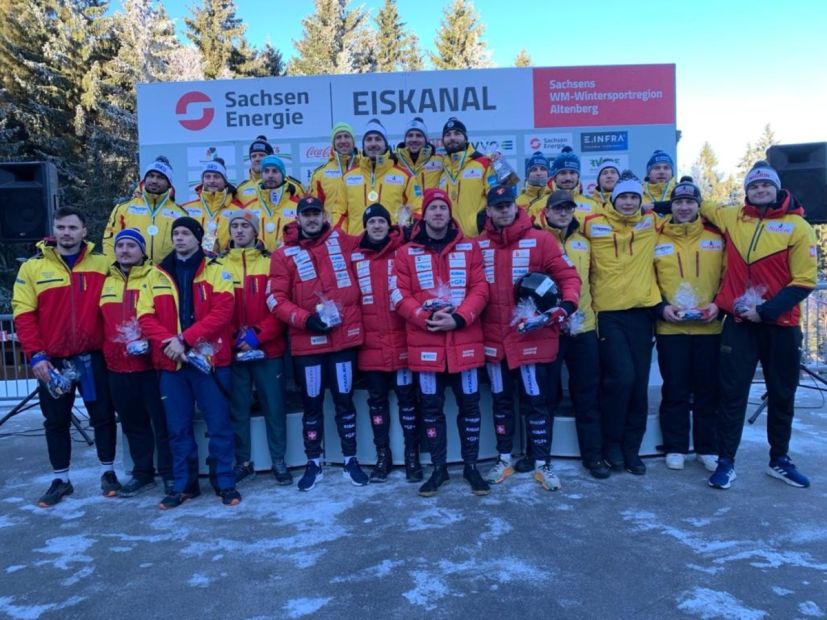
x: 313, y: 290
x: 441, y: 294
x: 512, y: 248
x: 383, y: 359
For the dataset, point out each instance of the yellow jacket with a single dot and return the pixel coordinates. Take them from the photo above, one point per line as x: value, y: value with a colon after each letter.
x: 658, y: 192
x: 275, y: 208
x: 533, y: 200
x: 247, y: 191
x: 428, y: 167
x: 385, y: 182
x: 578, y: 249
x: 211, y: 209
x: 326, y: 180
x: 152, y: 214
x: 585, y: 205
x: 693, y: 253
x: 622, y: 267
x: 467, y: 176
x: 601, y: 200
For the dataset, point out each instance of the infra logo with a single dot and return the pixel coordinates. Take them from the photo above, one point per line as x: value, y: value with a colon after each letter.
x: 193, y: 99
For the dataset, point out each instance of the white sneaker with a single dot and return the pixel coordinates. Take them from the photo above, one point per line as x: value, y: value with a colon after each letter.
x: 710, y: 461
x: 675, y: 460
x: 499, y: 472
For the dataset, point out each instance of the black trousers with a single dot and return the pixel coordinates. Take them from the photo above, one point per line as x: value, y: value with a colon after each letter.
x: 689, y: 367
x: 625, y: 345
x: 315, y: 373
x: 465, y: 386
x: 137, y: 399
x: 743, y: 345
x: 580, y: 354
x: 379, y: 384
x: 57, y: 413
x: 533, y: 381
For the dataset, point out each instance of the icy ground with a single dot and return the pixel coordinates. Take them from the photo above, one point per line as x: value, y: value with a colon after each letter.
x: 660, y: 546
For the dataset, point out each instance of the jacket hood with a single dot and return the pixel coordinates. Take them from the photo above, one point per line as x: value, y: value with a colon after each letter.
x: 510, y: 234
x: 141, y: 191
x: 291, y: 234
x: 785, y: 205
x: 395, y: 239
x: 687, y: 229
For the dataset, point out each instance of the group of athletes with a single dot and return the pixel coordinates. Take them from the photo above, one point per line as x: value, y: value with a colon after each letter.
x: 397, y: 266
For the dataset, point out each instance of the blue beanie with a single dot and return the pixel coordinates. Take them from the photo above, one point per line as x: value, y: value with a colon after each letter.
x: 566, y: 160
x: 660, y: 157
x: 273, y: 161
x: 536, y: 159
x: 135, y: 235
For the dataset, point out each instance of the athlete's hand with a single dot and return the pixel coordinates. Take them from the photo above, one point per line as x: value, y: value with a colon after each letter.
x: 441, y: 321
x: 41, y: 370
x: 670, y: 314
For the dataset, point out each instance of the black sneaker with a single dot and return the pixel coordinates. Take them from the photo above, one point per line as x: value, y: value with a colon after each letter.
x: 173, y: 500
x: 598, y: 469
x: 169, y: 487
x: 614, y: 458
x: 354, y: 473
x: 56, y: 492
x: 438, y: 477
x: 384, y: 463
x: 136, y: 486
x: 244, y: 473
x: 230, y: 497
x: 282, y: 474
x: 413, y: 468
x: 474, y: 478
x: 312, y: 474
x: 109, y: 484
x: 524, y: 465
x: 635, y: 466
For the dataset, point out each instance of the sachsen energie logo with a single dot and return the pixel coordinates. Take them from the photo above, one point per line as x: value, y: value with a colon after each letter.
x: 191, y: 100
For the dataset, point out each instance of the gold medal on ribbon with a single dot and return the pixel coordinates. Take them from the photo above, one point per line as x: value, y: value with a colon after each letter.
x: 454, y: 195
x: 373, y: 196
x: 208, y: 242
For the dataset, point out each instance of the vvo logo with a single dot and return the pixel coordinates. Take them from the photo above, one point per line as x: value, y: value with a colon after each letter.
x: 189, y: 105
x: 493, y: 144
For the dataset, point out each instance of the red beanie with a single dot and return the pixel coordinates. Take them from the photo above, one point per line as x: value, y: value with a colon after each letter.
x: 434, y: 193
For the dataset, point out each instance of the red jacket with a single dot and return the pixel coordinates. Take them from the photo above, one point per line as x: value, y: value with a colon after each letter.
x: 56, y: 308
x: 385, y: 345
x: 507, y: 255
x: 419, y: 270
x: 303, y: 270
x: 212, y: 293
x: 251, y: 272
x: 118, y: 303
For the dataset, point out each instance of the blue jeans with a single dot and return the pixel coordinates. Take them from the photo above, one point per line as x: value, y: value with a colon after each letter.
x: 180, y: 391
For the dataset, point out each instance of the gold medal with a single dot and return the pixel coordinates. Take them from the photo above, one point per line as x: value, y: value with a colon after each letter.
x: 373, y: 196
x: 454, y: 195
x: 208, y: 242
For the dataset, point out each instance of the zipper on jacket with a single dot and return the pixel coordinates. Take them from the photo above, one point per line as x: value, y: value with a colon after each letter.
x: 753, y: 242
x: 680, y: 264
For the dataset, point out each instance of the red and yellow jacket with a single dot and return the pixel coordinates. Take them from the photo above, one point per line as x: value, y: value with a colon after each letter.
x: 622, y: 266
x: 303, y: 269
x: 149, y: 213
x: 694, y: 253
x: 119, y: 303
x: 56, y: 308
x: 419, y: 271
x: 393, y: 185
x: 210, y: 210
x: 275, y: 209
x: 213, y: 302
x: 428, y: 167
x: 774, y: 248
x: 250, y: 268
x: 385, y: 346
x: 466, y: 177
x: 586, y: 206
x: 507, y: 255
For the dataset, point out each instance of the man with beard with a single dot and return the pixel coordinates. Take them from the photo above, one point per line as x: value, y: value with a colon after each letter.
x: 418, y: 155
x: 533, y: 197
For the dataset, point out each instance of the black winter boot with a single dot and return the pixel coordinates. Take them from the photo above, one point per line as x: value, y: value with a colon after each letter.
x: 384, y: 463
x: 413, y: 468
x: 438, y: 477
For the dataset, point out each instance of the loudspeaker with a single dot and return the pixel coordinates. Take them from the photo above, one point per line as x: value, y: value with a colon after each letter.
x: 803, y: 171
x: 28, y: 199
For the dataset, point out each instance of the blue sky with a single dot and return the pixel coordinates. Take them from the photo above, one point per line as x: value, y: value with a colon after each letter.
x: 740, y: 64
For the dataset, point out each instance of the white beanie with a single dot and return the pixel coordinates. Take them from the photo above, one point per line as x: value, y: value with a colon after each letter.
x: 375, y: 126
x: 214, y: 166
x: 762, y: 171
x: 417, y: 124
x: 161, y: 165
x: 627, y: 186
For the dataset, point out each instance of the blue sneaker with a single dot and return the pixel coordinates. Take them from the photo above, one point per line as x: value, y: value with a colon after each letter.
x: 783, y: 469
x: 354, y: 473
x: 724, y: 474
x: 312, y: 474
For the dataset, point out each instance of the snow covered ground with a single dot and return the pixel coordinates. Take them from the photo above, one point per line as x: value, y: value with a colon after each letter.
x: 663, y: 545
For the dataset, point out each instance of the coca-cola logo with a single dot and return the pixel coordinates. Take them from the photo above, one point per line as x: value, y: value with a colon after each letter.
x: 317, y: 152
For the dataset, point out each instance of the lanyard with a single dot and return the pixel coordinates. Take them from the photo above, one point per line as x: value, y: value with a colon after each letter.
x: 454, y: 177
x: 157, y: 208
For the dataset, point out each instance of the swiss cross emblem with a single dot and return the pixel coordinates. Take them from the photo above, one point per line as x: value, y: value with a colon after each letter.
x: 500, y: 429
x: 311, y: 435
x: 500, y: 191
x: 378, y: 420
x: 431, y: 432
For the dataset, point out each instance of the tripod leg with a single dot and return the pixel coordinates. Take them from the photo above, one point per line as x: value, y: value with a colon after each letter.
x: 18, y: 407
x: 761, y: 408
x: 79, y: 428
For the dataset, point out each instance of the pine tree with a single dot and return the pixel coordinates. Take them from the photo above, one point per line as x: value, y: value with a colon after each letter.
x: 412, y: 60
x: 219, y: 36
x: 522, y: 59
x: 710, y: 181
x: 754, y: 152
x: 459, y: 41
x: 335, y: 40
x: 395, y: 49
x: 272, y: 61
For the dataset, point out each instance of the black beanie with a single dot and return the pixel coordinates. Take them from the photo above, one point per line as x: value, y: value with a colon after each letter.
x: 260, y: 145
x: 455, y: 123
x: 190, y: 224
x: 375, y: 210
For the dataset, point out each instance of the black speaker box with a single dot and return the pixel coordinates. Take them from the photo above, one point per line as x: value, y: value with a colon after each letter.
x: 28, y: 199
x: 803, y: 170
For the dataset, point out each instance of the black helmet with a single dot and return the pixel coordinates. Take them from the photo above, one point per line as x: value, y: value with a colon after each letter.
x: 538, y: 287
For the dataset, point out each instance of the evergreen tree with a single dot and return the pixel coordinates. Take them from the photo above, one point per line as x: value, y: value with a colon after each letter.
x: 395, y: 49
x: 522, y: 59
x: 219, y: 36
x: 412, y: 60
x: 711, y: 182
x: 459, y: 41
x: 754, y: 152
x: 272, y: 61
x: 335, y: 40
x: 186, y: 63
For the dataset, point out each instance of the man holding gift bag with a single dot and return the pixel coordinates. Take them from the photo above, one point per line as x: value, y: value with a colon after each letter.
x: 770, y: 269
x: 132, y: 379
